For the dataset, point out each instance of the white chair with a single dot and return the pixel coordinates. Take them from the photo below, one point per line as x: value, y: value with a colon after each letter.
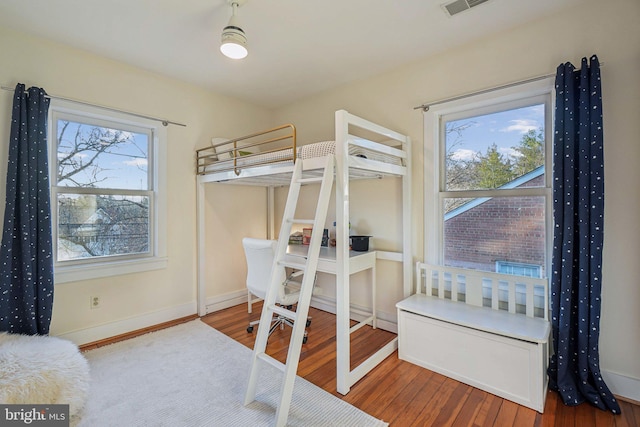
x: 259, y: 254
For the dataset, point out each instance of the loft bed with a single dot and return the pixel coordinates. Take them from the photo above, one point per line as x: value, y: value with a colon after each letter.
x: 363, y: 150
x: 266, y: 158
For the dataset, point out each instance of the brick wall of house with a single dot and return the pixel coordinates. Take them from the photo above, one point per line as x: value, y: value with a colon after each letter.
x: 500, y: 229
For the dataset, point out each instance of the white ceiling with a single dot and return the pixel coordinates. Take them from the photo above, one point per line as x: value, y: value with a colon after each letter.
x: 296, y: 47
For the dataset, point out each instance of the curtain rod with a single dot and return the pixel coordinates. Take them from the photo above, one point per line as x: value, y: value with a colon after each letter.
x: 425, y: 107
x: 163, y: 121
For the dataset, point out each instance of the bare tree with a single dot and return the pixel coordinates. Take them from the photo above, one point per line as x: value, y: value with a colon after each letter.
x: 460, y: 172
x: 79, y: 154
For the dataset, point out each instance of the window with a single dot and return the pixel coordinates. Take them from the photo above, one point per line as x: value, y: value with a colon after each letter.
x: 518, y: 269
x: 108, y: 200
x: 489, y: 203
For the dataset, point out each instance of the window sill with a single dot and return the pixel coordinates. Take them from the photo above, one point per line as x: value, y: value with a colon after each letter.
x: 75, y: 273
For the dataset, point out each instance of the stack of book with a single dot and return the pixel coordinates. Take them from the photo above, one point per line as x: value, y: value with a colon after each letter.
x: 295, y: 238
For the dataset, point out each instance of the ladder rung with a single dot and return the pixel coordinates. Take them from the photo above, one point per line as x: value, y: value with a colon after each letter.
x: 284, y: 312
x: 294, y: 265
x: 357, y: 326
x: 301, y: 221
x: 305, y: 180
x: 271, y: 361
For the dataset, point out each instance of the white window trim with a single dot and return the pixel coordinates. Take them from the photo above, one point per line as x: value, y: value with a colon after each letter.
x: 110, y: 267
x: 487, y: 102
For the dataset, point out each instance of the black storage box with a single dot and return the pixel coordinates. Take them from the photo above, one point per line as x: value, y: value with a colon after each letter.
x: 360, y: 243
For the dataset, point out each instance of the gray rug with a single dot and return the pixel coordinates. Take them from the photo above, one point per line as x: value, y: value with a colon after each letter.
x: 193, y: 375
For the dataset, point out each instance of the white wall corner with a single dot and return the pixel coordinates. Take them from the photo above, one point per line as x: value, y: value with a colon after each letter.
x: 622, y: 385
x: 108, y: 330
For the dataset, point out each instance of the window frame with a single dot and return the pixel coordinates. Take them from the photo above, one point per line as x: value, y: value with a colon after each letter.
x: 487, y: 102
x: 156, y: 257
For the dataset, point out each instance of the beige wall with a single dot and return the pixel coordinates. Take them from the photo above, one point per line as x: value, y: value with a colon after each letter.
x: 135, y: 300
x: 232, y: 212
x: 608, y: 29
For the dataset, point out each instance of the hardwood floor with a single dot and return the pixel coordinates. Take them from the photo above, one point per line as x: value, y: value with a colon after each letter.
x: 403, y: 394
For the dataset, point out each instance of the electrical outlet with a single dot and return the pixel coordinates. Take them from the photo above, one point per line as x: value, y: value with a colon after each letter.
x: 95, y: 302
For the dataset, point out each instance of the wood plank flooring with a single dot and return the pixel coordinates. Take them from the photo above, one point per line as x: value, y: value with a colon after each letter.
x: 403, y: 394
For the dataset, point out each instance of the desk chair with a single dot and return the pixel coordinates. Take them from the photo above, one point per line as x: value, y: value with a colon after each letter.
x: 259, y: 254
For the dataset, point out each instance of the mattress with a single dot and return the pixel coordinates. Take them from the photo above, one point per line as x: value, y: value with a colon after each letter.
x: 309, y: 151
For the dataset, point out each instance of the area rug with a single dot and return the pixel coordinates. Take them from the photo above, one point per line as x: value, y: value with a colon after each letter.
x: 192, y: 375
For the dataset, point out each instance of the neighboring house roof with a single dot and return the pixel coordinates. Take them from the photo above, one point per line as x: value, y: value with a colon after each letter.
x: 480, y: 200
x: 92, y: 223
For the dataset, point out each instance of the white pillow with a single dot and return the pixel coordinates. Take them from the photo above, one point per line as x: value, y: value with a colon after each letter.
x: 221, y: 148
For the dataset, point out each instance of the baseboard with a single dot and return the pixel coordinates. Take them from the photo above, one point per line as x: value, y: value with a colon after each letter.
x: 128, y: 335
x: 119, y: 327
x: 220, y: 302
x: 385, y: 321
x: 625, y: 387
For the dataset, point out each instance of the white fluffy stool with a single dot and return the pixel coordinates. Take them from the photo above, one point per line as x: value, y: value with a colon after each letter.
x: 42, y: 370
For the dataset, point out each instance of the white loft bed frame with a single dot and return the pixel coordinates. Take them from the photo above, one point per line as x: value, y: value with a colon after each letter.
x: 347, y: 167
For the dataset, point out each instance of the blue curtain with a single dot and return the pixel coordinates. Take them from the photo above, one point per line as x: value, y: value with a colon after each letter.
x: 578, y: 213
x: 26, y: 264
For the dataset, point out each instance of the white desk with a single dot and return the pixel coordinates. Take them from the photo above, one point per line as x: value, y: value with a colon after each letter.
x: 358, y: 261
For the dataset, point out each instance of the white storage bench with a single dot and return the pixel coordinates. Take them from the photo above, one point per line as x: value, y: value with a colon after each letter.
x: 467, y: 326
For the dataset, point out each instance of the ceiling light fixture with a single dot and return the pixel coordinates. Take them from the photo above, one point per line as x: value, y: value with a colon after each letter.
x: 234, y: 41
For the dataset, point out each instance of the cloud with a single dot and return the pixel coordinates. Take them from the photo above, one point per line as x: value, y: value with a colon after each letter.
x: 537, y: 110
x: 509, y: 152
x: 136, y: 162
x: 121, y: 134
x: 62, y: 155
x: 464, y: 154
x: 521, y: 125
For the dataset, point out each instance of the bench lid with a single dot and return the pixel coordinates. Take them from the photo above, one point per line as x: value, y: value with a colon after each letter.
x: 497, y: 322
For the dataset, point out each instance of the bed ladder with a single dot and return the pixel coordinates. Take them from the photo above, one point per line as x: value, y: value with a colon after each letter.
x: 309, y: 267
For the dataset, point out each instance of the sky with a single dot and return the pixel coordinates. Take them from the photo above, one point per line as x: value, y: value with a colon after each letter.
x: 124, y: 166
x: 505, y: 129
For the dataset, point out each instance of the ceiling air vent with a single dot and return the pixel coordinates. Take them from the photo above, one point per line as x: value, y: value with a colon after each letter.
x: 458, y: 6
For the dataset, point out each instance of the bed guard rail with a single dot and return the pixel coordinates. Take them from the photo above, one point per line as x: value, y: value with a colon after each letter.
x: 226, y: 155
